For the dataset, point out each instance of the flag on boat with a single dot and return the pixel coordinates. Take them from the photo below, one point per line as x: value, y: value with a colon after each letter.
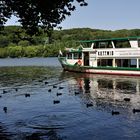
x: 60, y: 52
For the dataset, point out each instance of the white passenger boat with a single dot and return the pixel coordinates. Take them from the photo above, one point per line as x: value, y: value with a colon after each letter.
x: 116, y: 56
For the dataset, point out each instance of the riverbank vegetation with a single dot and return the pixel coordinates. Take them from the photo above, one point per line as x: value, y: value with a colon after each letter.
x: 14, y: 42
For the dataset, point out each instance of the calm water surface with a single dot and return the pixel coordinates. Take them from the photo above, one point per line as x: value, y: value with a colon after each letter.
x: 38, y: 101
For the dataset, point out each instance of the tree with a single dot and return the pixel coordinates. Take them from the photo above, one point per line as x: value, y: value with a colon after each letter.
x: 32, y: 14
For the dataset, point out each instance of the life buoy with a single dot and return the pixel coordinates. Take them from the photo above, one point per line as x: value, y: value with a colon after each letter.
x: 79, y: 62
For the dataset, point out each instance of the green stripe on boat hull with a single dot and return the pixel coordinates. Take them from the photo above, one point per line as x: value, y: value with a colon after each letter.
x: 100, y: 70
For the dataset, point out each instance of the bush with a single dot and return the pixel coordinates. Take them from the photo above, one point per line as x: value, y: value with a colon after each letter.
x: 24, y: 43
x: 15, y: 51
x: 30, y: 51
x: 4, y: 41
x: 3, y: 53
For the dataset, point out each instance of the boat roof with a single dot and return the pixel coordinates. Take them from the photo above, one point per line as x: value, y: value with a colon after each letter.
x: 110, y: 39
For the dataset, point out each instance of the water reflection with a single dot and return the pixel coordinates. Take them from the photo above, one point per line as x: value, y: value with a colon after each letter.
x: 108, y: 91
x: 84, y: 107
x: 87, y: 85
x: 3, y: 134
x: 50, y: 135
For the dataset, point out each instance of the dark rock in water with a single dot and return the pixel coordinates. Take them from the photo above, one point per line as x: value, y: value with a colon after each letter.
x: 76, y: 93
x: 89, y: 105
x: 27, y: 95
x: 0, y: 96
x: 136, y: 110
x: 56, y: 101
x: 54, y: 86
x: 61, y: 87
x: 115, y: 112
x: 49, y: 90
x: 127, y: 99
x: 58, y: 94
x: 5, y: 109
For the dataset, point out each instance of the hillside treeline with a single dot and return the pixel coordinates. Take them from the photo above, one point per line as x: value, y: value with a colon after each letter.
x: 14, y: 42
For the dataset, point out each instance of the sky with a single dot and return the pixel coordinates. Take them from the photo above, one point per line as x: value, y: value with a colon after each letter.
x: 102, y: 14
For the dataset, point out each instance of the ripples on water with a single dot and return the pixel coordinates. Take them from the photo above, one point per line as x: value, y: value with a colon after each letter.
x: 29, y: 93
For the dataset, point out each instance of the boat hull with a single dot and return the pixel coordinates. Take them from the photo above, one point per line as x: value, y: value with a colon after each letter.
x: 100, y: 70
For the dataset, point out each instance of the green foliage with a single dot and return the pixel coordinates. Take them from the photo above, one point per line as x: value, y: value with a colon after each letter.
x: 4, y: 41
x: 14, y: 42
x: 15, y: 51
x: 33, y: 14
x: 24, y: 43
x: 3, y: 52
x: 30, y: 51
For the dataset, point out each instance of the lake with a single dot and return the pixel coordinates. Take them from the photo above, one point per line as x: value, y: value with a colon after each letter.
x: 39, y: 101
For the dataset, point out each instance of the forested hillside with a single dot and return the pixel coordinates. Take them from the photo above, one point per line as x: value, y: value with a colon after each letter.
x: 14, y: 42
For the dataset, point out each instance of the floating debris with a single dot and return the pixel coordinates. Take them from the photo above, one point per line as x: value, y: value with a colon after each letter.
x: 5, y: 109
x: 27, y: 95
x: 89, y: 105
x: 136, y: 110
x: 127, y: 99
x: 56, y: 102
x: 115, y: 112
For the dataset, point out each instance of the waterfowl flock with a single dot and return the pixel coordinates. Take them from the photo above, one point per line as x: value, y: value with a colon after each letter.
x: 59, y: 93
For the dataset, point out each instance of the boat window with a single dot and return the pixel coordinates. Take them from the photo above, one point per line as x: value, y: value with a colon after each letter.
x: 80, y: 55
x: 109, y: 45
x: 133, y: 63
x: 122, y: 44
x: 139, y: 43
x: 69, y: 55
x: 86, y: 45
x: 102, y: 45
x: 77, y: 55
x: 106, y: 44
x: 96, y: 45
x: 104, y: 62
x: 126, y: 63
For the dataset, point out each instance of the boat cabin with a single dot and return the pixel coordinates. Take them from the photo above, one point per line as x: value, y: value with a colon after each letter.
x: 115, y: 52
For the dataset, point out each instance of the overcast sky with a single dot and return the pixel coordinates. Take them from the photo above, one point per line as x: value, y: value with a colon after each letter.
x: 103, y: 14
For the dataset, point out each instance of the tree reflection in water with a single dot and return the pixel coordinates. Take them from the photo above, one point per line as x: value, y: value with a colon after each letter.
x: 87, y: 85
x: 107, y: 92
x: 3, y: 134
x: 50, y: 135
x: 32, y: 118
